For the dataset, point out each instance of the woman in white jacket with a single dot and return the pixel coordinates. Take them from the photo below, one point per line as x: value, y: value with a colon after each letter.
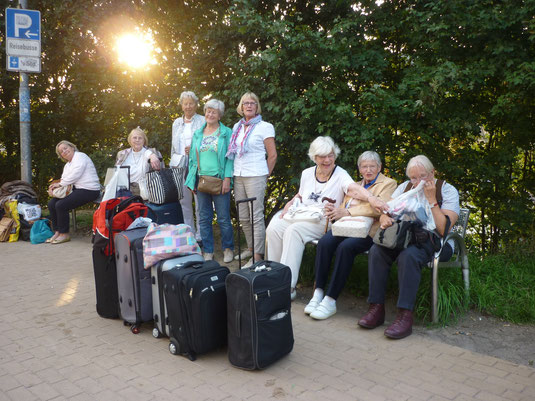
x: 80, y: 172
x: 183, y: 129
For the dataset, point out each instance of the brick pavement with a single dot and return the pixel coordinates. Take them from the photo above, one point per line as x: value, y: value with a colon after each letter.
x: 54, y: 346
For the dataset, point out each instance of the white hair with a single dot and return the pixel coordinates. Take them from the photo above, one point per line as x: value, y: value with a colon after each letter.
x: 216, y: 105
x: 369, y: 155
x: 188, y: 94
x: 322, y: 146
x: 422, y: 161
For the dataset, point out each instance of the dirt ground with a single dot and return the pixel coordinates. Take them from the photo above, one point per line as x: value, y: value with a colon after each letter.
x: 474, y: 331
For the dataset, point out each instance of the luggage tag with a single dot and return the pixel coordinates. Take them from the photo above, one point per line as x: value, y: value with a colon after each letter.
x: 261, y: 267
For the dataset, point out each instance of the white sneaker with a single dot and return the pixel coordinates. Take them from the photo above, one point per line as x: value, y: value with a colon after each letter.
x: 228, y: 255
x: 244, y: 255
x: 293, y: 294
x: 311, y: 306
x: 248, y: 264
x: 323, y: 311
x: 208, y: 256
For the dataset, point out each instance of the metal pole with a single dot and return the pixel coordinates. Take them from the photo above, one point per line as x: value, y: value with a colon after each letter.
x: 25, y: 126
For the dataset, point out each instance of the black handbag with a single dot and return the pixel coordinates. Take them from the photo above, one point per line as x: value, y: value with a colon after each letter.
x: 165, y: 185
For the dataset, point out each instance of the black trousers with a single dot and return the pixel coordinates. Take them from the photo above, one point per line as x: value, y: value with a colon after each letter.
x: 346, y: 249
x: 410, y: 262
x: 59, y: 208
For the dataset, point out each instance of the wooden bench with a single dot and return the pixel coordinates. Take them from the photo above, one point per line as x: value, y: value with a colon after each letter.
x: 459, y: 259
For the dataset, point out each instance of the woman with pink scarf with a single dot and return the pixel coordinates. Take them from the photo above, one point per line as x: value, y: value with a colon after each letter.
x: 252, y: 146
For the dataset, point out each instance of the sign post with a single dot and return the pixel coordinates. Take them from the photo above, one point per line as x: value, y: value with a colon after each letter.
x: 23, y: 48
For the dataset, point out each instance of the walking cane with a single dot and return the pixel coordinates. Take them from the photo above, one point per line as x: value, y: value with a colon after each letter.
x: 330, y: 201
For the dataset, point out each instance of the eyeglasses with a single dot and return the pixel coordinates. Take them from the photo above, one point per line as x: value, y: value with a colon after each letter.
x: 249, y: 104
x: 415, y: 180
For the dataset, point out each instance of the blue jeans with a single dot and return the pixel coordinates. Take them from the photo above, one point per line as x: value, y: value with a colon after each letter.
x: 206, y: 214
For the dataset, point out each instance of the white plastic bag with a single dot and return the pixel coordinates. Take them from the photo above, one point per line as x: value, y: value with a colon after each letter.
x: 29, y: 212
x: 119, y: 179
x: 413, y: 205
x: 139, y: 222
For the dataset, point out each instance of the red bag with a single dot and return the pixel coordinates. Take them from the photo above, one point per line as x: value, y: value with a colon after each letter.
x: 117, y: 213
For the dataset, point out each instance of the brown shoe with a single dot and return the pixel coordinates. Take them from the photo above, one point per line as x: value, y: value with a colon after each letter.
x: 402, y: 326
x: 374, y: 317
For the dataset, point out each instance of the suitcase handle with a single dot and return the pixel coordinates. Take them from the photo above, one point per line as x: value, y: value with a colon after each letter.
x: 238, y: 324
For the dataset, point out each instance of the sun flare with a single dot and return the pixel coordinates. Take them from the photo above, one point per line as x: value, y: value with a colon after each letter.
x: 134, y: 50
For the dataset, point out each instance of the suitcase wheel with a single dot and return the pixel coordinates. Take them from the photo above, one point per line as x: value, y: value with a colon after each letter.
x: 134, y: 329
x: 174, y: 348
x: 156, y: 333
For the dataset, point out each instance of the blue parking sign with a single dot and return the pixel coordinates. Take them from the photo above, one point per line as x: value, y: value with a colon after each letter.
x: 23, y: 24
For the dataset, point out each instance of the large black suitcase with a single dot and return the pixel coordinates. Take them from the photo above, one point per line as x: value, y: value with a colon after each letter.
x: 166, y: 213
x: 159, y: 310
x: 105, y: 284
x: 258, y: 308
x: 196, y: 306
x: 259, y: 319
x: 133, y: 281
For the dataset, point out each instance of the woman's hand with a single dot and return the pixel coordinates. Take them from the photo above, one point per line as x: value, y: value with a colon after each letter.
x: 287, y: 206
x: 385, y: 221
x: 333, y: 213
x: 379, y: 204
x: 154, y: 162
x: 430, y: 191
x: 186, y: 150
x: 226, y: 185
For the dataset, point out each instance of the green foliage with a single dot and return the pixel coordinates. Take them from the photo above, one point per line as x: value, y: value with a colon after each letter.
x: 502, y: 285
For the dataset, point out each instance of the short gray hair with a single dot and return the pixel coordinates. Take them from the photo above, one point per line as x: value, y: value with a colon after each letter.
x: 216, y: 105
x: 369, y: 155
x: 322, y: 146
x: 188, y: 94
x: 422, y: 161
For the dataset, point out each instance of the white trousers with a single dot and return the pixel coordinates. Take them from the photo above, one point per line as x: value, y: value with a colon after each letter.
x: 187, y: 211
x: 286, y: 242
x: 252, y: 187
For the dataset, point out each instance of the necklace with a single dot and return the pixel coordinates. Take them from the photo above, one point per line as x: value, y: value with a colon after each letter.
x: 188, y: 120
x: 138, y: 158
x: 315, y: 196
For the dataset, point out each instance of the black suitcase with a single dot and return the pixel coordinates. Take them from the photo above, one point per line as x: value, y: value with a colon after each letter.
x: 259, y: 312
x: 159, y: 310
x: 259, y: 315
x: 196, y: 306
x: 133, y: 281
x: 166, y: 213
x: 105, y: 284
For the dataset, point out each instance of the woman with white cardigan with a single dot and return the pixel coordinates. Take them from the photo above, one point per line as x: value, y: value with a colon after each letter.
x: 80, y: 172
x: 183, y: 129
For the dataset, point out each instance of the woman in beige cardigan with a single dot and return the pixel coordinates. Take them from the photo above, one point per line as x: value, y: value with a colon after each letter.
x: 323, y: 303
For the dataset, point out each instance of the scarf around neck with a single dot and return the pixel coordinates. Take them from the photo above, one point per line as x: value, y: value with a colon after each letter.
x: 244, y: 145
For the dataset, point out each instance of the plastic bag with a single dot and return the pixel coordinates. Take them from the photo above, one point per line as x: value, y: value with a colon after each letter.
x: 29, y: 212
x: 12, y: 211
x: 413, y: 205
x: 40, y: 231
x: 120, y: 178
x: 140, y: 222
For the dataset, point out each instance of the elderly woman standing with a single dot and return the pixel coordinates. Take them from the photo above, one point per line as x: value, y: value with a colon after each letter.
x: 323, y: 303
x: 138, y: 157
x: 183, y: 129
x: 252, y: 139
x: 80, y: 172
x: 443, y: 199
x: 208, y: 148
x: 285, y: 239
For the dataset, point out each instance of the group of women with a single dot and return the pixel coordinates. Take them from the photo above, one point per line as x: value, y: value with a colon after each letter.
x: 243, y: 158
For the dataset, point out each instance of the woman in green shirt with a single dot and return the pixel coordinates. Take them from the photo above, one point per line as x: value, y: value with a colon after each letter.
x: 208, y: 148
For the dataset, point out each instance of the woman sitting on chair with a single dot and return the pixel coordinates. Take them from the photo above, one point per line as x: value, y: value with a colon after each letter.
x: 138, y: 157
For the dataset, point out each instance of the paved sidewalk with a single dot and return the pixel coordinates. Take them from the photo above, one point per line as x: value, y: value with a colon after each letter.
x: 54, y: 346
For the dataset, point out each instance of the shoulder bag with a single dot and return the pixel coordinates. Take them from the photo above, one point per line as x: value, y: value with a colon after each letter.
x: 207, y: 183
x: 352, y: 226
x: 397, y: 236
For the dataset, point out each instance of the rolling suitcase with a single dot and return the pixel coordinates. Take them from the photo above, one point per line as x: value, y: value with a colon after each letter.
x: 259, y: 313
x: 133, y: 281
x: 159, y: 309
x: 166, y: 213
x: 105, y: 272
x: 196, y: 305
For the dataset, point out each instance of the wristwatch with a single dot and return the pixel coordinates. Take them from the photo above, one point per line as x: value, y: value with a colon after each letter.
x: 432, y: 205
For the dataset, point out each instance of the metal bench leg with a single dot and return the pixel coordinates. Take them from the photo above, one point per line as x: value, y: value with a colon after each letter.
x: 73, y: 218
x: 466, y: 278
x: 434, y: 291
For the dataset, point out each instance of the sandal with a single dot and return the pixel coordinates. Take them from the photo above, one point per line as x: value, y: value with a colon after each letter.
x: 60, y: 241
